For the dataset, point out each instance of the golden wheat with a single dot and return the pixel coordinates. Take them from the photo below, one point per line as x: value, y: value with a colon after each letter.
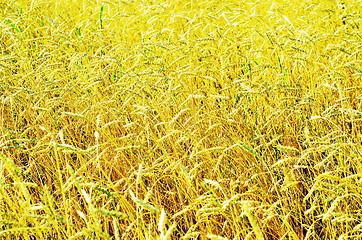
x: 180, y: 119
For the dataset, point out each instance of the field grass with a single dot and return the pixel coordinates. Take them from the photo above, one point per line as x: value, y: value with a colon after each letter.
x: 180, y: 119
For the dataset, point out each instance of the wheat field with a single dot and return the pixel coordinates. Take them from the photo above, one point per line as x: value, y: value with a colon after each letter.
x: 178, y: 119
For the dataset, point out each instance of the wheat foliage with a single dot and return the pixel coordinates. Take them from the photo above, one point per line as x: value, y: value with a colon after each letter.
x: 180, y: 119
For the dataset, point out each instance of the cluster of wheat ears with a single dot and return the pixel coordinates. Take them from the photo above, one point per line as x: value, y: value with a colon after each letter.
x: 176, y: 119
